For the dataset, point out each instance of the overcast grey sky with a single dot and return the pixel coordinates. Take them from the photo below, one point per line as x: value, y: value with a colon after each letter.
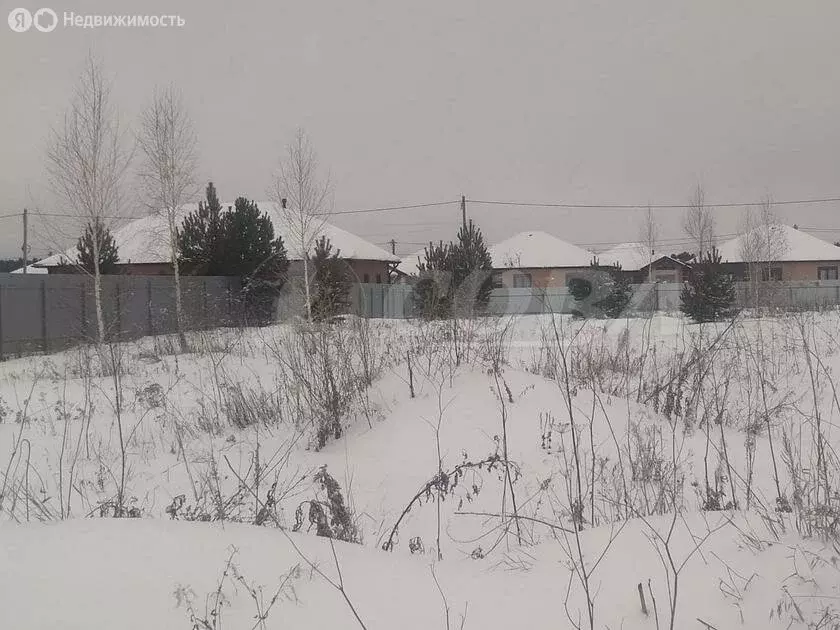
x: 548, y: 100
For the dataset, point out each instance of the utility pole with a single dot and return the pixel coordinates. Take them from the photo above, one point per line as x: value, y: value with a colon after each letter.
x: 464, y: 210
x: 25, y: 248
x: 393, y: 247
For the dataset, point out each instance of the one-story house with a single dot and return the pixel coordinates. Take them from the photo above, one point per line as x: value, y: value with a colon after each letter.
x: 143, y: 248
x: 529, y: 259
x: 780, y: 252
x: 536, y: 259
x: 640, y: 265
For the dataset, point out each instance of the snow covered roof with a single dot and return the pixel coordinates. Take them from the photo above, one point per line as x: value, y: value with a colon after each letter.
x: 146, y: 240
x: 537, y: 250
x: 631, y: 256
x: 30, y: 269
x: 794, y: 245
x: 408, y: 265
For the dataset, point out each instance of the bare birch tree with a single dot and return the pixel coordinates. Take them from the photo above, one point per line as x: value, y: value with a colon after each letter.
x: 168, y: 142
x: 304, y: 196
x: 87, y: 158
x: 762, y: 242
x: 699, y: 222
x: 649, y: 237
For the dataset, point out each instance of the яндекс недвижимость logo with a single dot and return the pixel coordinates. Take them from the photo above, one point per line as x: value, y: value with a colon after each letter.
x: 44, y: 20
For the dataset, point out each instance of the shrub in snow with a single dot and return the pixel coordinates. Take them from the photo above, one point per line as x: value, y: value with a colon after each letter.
x: 331, y: 518
x: 455, y: 278
x: 331, y: 282
x: 600, y: 291
x: 709, y: 295
x: 431, y: 298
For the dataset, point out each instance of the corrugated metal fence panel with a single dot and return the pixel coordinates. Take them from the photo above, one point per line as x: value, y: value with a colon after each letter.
x: 50, y: 312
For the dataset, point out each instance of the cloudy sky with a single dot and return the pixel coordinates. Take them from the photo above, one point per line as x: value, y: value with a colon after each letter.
x: 410, y: 102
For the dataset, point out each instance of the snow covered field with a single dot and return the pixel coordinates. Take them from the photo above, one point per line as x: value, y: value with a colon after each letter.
x: 528, y: 472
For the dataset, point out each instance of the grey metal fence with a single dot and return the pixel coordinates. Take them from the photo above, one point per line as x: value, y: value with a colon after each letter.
x: 51, y: 312
x: 394, y: 300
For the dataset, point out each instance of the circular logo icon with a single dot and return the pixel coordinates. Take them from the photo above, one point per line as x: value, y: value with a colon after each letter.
x: 45, y: 20
x: 20, y: 20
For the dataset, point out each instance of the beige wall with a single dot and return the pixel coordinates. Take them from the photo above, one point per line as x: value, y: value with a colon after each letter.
x: 358, y: 269
x: 541, y: 278
x: 804, y: 270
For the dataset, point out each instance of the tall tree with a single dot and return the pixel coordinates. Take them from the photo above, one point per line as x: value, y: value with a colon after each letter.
x: 250, y: 249
x: 201, y: 238
x: 709, y: 294
x: 238, y: 242
x: 472, y: 269
x: 96, y: 248
x: 431, y: 296
x: 304, y: 196
x: 649, y: 238
x: 331, y: 281
x: 762, y: 243
x: 168, y: 143
x: 699, y: 222
x: 87, y: 160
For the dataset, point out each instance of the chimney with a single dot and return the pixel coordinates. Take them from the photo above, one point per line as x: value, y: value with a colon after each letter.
x: 283, y: 203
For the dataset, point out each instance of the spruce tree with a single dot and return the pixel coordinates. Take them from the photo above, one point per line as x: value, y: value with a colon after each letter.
x: 237, y: 242
x: 602, y: 290
x: 618, y: 292
x: 331, y: 282
x: 431, y: 296
x: 709, y: 295
x: 472, y: 269
x: 201, y: 239
x: 108, y: 253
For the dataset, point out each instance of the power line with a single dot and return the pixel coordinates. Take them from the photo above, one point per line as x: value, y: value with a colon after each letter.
x: 327, y: 214
x: 11, y: 216
x: 615, y: 206
x: 392, y: 208
x: 76, y: 216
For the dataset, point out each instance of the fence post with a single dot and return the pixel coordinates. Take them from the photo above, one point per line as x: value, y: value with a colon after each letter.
x: 229, y: 302
x: 83, y: 311
x: 205, y: 314
x: 119, y: 309
x: 44, y: 340
x: 150, y: 327
x: 382, y: 293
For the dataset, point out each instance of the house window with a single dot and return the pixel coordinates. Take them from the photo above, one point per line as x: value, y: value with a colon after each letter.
x: 665, y: 276
x: 379, y: 278
x: 366, y: 278
x: 522, y: 281
x: 771, y: 273
x: 827, y: 273
x: 497, y: 281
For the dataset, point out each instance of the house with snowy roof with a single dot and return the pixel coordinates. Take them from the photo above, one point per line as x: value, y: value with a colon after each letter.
x: 536, y: 259
x: 528, y: 259
x: 640, y: 264
x: 143, y: 247
x: 780, y: 252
